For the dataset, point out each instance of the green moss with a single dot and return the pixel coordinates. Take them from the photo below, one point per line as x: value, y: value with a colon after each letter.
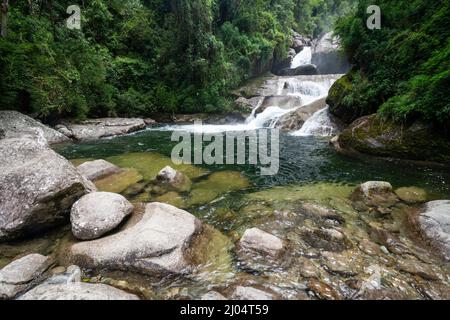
x: 216, y: 184
x: 119, y: 182
x: 150, y: 163
x: 377, y: 136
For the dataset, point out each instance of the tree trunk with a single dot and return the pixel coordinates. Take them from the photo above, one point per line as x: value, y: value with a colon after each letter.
x: 4, y: 17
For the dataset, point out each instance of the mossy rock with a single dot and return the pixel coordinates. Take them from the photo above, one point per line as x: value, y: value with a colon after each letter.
x: 149, y: 164
x: 119, y: 182
x: 376, y: 136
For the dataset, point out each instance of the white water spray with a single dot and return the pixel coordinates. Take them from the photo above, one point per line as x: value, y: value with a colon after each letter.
x: 302, y: 58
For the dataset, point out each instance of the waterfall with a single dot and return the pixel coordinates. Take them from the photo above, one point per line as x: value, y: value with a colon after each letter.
x: 319, y: 124
x: 279, y: 96
x: 302, y: 58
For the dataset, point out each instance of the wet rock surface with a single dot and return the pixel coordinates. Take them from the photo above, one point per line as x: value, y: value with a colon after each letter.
x: 21, y: 274
x: 434, y: 222
x: 249, y: 293
x: 37, y: 187
x: 97, y: 169
x: 102, y: 128
x: 155, y: 244
x: 261, y: 241
x: 76, y: 291
x: 16, y: 125
x: 98, y: 213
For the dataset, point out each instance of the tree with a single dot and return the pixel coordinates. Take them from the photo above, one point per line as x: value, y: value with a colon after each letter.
x: 4, y: 17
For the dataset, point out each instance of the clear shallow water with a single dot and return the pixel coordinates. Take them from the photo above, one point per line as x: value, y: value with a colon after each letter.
x: 302, y: 160
x: 310, y: 172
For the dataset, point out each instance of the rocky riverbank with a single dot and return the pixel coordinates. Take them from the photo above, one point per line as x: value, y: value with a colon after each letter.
x: 374, y: 135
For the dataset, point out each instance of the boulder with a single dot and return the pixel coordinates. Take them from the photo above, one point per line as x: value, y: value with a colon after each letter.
x: 303, y: 70
x: 156, y: 244
x: 97, y: 169
x: 77, y: 291
x: 21, y: 274
x: 293, y: 121
x: 434, y: 223
x: 105, y: 127
x: 16, y: 125
x: 263, y: 242
x: 328, y: 58
x: 380, y: 137
x: 173, y: 180
x: 98, y: 213
x: 37, y: 188
x: 375, y: 194
x: 249, y: 293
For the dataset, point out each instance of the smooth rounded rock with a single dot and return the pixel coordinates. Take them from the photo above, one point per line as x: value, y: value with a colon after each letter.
x: 261, y: 241
x: 98, y: 213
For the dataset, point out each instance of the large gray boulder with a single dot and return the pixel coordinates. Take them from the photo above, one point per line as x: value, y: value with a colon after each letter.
x: 97, y: 169
x: 155, y: 245
x: 76, y: 291
x: 98, y: 213
x: 21, y: 274
x: 37, y: 187
x: 327, y: 56
x: 17, y: 125
x: 434, y: 222
x: 104, y: 127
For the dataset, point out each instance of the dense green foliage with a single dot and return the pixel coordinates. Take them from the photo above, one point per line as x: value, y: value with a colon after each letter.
x: 403, y: 69
x: 136, y: 57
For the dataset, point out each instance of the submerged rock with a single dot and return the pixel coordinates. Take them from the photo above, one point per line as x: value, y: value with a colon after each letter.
x: 22, y: 274
x: 37, y: 187
x: 412, y: 195
x: 119, y: 182
x: 149, y: 164
x: 97, y: 169
x: 156, y: 244
x: 105, y: 127
x: 323, y: 291
x: 213, y: 295
x: 76, y: 291
x: 263, y: 242
x: 171, y: 179
x: 98, y: 213
x: 345, y: 264
x: 375, y: 194
x: 326, y: 239
x: 249, y: 293
x: 17, y: 125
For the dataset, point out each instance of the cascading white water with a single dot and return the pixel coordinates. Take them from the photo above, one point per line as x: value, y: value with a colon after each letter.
x: 307, y: 88
x: 303, y: 90
x: 302, y: 58
x: 319, y: 124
